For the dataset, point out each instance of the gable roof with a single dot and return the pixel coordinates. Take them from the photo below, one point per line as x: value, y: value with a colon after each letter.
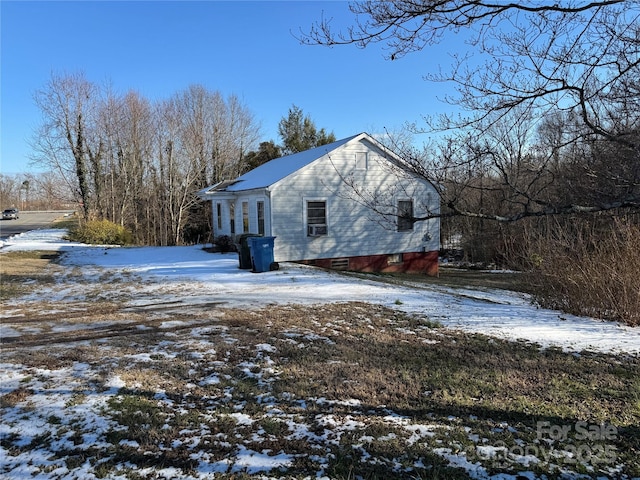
x: 275, y: 170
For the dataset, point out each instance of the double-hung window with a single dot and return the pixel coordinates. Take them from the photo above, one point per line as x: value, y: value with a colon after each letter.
x: 245, y: 217
x: 405, y: 215
x: 219, y: 215
x: 316, y: 218
x: 232, y: 218
x: 260, y: 209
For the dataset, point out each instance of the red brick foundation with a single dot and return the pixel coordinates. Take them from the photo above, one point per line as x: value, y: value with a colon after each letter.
x: 413, y: 262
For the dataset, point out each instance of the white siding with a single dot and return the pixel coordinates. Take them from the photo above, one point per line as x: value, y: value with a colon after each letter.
x: 224, y: 220
x: 252, y: 198
x: 353, y: 229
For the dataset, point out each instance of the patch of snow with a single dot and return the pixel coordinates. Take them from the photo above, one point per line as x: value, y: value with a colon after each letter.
x: 190, y: 278
x: 265, y: 347
x: 255, y: 462
x: 202, y: 277
x: 199, y: 277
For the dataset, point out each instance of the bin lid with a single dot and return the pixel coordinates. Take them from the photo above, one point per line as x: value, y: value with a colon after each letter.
x: 261, y: 239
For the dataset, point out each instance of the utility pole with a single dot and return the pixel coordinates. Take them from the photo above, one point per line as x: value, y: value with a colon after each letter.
x: 25, y: 201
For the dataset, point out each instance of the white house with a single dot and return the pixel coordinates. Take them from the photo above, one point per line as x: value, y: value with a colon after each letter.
x: 318, y: 203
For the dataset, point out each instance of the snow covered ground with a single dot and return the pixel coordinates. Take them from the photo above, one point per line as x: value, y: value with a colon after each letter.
x: 199, y: 275
x: 71, y: 412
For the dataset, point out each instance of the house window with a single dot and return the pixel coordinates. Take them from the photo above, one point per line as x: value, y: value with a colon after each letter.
x: 219, y: 215
x: 232, y: 218
x: 405, y: 215
x: 361, y: 160
x: 260, y: 208
x: 245, y: 217
x: 316, y: 218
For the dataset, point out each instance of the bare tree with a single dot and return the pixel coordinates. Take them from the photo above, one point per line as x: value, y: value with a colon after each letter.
x: 569, y: 60
x: 177, y: 172
x: 66, y: 141
x: 242, y: 134
x: 139, y: 164
x: 50, y: 191
x: 216, y: 132
x: 210, y: 138
x: 35, y: 191
x: 9, y: 191
x: 137, y: 153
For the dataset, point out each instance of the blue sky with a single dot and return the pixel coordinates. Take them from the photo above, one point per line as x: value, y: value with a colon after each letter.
x: 246, y: 48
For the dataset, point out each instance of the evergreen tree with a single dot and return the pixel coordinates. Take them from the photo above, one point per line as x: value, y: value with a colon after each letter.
x: 267, y: 151
x: 298, y: 132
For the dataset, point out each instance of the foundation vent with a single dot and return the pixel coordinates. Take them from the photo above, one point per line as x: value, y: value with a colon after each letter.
x: 394, y: 259
x: 340, y: 263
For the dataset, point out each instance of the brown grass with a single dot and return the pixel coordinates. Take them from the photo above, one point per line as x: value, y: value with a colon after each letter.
x: 586, y: 271
x: 19, y: 271
x: 14, y: 397
x: 26, y: 263
x: 344, y: 361
x: 287, y: 367
x: 363, y: 352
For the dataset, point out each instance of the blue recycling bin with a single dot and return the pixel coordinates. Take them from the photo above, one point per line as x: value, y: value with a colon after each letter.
x: 262, y: 254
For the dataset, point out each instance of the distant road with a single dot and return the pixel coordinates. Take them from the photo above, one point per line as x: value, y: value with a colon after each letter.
x: 29, y: 221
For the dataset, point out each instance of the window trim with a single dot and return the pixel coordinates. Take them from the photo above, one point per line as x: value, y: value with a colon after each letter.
x: 308, y: 226
x: 403, y: 224
x: 362, y: 165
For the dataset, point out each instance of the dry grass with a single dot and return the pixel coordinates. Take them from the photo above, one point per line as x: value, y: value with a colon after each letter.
x: 382, y: 357
x: 26, y: 263
x: 301, y: 369
x: 343, y: 390
x: 20, y: 271
x: 14, y: 397
x: 589, y: 269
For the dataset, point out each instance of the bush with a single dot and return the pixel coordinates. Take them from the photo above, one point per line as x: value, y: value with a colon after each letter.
x: 224, y: 243
x: 589, y: 270
x: 101, y: 232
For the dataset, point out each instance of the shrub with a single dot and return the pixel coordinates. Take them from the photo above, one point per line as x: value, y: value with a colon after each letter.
x: 589, y: 269
x: 224, y: 243
x: 101, y: 232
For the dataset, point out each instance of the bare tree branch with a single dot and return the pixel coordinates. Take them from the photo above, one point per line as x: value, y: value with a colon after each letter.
x: 574, y: 63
